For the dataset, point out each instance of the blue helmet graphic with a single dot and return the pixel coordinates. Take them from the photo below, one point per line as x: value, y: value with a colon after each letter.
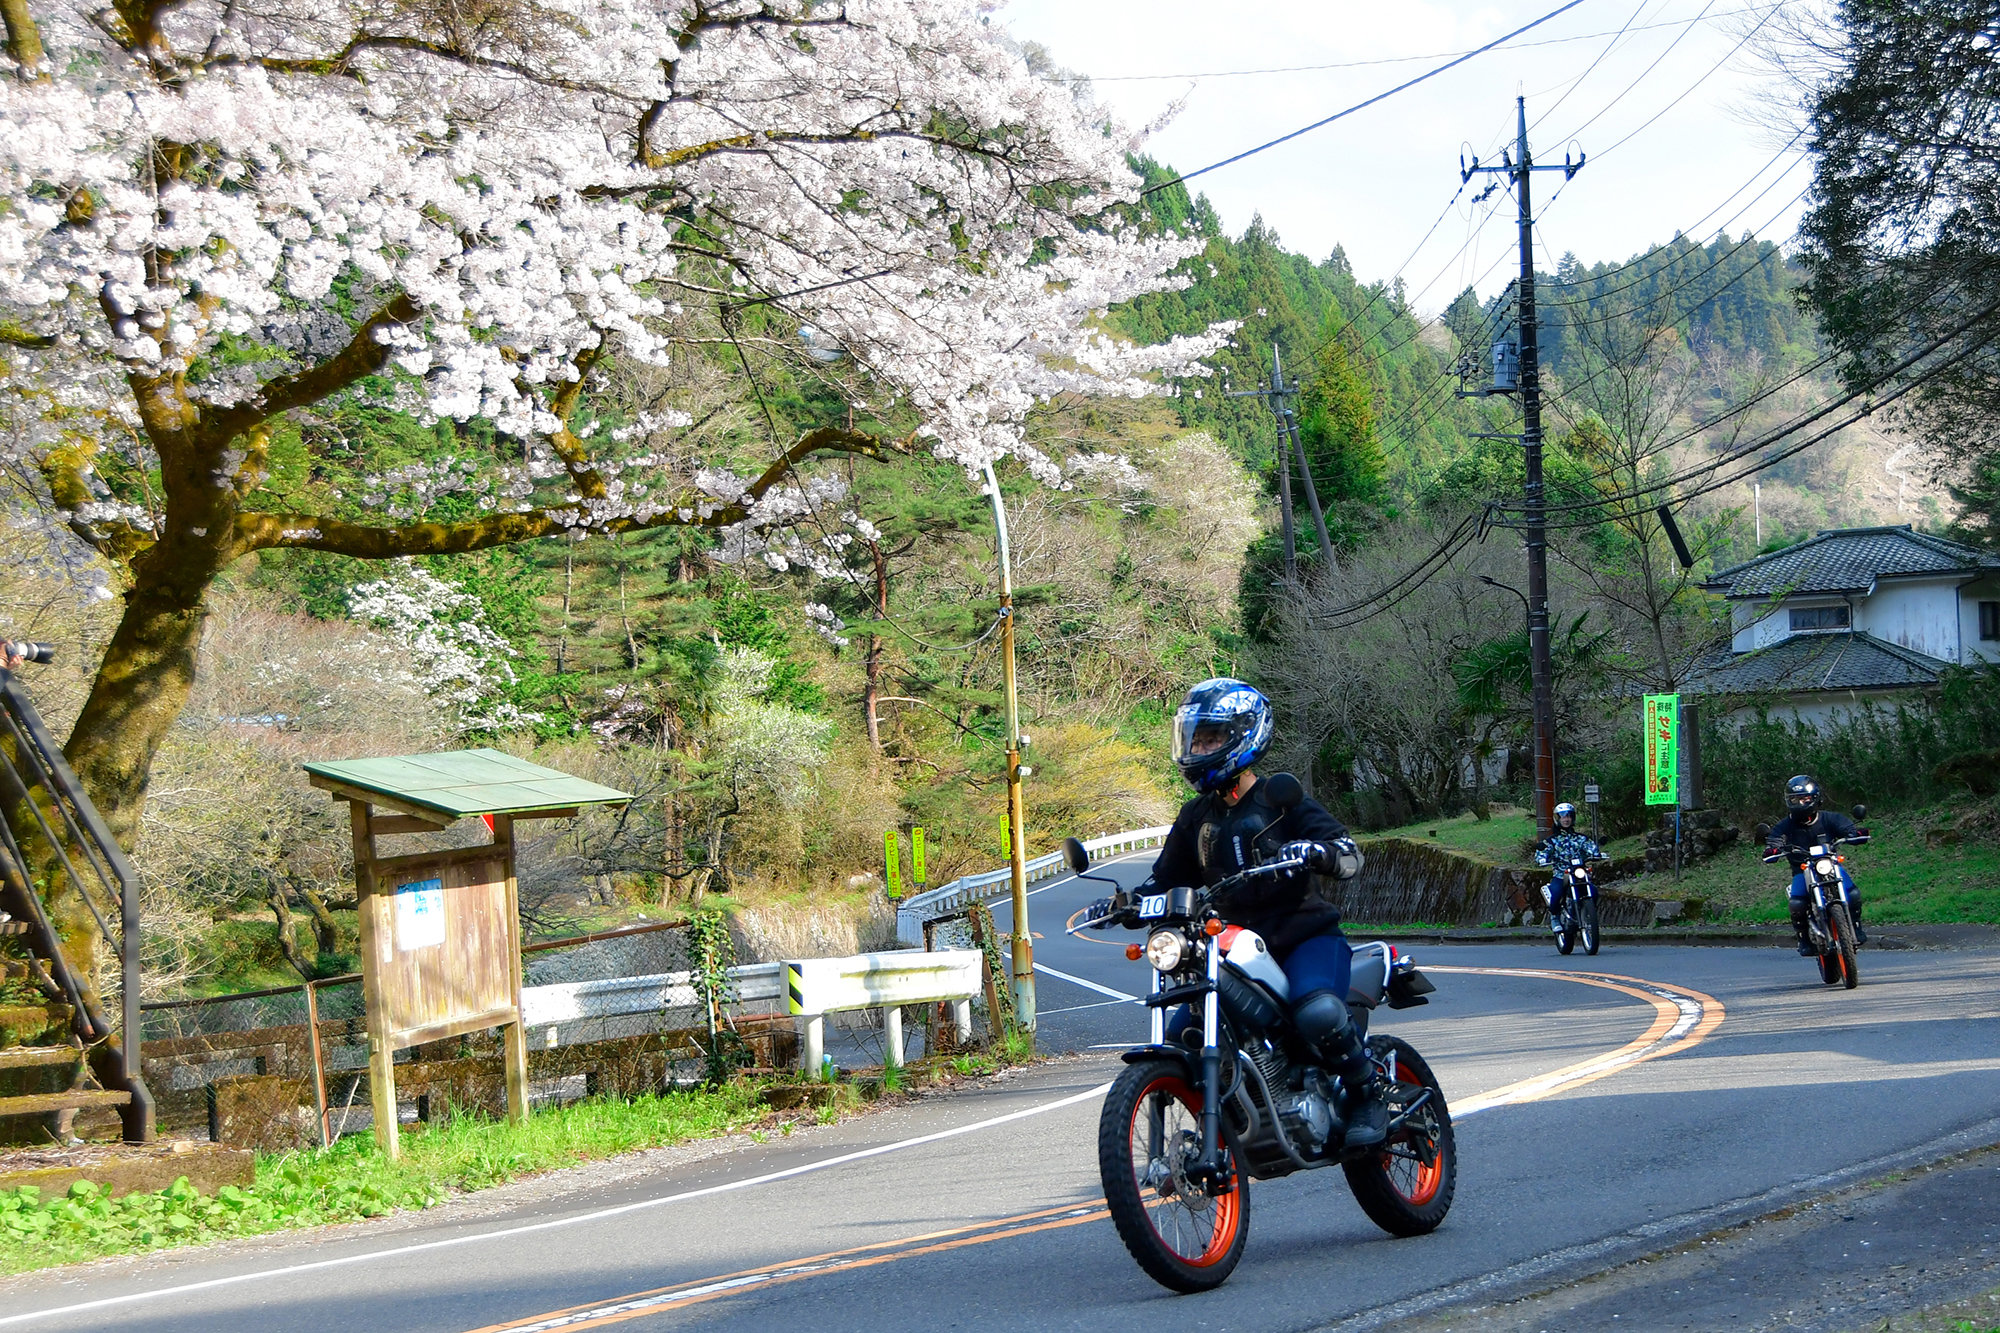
x: 1223, y: 728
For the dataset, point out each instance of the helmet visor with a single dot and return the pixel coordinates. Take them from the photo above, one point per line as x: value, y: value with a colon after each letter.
x: 1197, y: 737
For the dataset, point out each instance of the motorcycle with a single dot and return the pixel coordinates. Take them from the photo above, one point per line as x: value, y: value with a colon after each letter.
x: 1183, y: 1132
x: 1574, y: 915
x: 1830, y: 911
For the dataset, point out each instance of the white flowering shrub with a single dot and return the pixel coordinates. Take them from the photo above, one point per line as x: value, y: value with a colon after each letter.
x: 759, y: 747
x: 444, y: 645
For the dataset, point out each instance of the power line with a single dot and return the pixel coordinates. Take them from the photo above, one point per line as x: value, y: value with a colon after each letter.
x: 1392, y: 60
x: 1360, y: 106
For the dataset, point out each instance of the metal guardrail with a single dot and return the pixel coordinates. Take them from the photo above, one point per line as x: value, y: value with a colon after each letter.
x: 669, y: 993
x: 816, y: 987
x: 991, y: 885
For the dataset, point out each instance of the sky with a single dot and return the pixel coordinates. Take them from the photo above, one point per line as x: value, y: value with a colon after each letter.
x: 1685, y: 126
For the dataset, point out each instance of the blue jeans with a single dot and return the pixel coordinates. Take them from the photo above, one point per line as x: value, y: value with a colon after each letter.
x: 1323, y: 962
x: 1799, y: 892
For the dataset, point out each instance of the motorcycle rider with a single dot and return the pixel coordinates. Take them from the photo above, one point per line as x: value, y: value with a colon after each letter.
x: 1564, y: 843
x: 1804, y: 826
x: 1219, y: 732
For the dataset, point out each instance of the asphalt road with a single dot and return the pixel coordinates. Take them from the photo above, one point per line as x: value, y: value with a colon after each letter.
x: 983, y: 1210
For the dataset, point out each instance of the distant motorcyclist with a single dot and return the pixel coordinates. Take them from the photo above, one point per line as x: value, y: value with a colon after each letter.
x: 1223, y: 728
x: 1563, y: 843
x: 1808, y: 825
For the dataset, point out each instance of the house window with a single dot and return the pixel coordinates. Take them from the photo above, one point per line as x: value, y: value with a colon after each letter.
x: 1819, y: 617
x: 1989, y: 621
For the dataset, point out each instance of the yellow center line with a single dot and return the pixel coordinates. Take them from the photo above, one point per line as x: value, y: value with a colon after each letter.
x: 1682, y: 1018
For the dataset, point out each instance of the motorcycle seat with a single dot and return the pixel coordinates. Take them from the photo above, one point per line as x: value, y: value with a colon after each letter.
x: 1370, y: 978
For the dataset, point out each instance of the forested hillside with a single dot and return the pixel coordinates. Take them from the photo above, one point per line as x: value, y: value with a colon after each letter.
x: 780, y: 706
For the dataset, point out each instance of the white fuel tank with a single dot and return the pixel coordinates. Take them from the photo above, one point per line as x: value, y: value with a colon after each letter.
x: 1246, y: 951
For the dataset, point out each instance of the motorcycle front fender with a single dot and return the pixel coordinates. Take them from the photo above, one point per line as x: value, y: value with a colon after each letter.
x: 1180, y: 1055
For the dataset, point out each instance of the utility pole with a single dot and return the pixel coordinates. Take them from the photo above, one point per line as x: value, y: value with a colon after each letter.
x: 1017, y: 863
x: 1277, y: 393
x: 1520, y: 169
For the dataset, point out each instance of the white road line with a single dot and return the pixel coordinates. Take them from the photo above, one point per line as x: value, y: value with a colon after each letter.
x: 1087, y: 985
x: 1094, y: 865
x: 236, y: 1279
x: 1075, y: 1008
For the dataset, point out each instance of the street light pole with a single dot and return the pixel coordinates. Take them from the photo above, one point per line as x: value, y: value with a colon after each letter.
x: 1017, y: 862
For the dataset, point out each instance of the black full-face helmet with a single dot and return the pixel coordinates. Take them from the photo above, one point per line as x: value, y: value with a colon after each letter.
x: 1566, y: 818
x: 1803, y: 796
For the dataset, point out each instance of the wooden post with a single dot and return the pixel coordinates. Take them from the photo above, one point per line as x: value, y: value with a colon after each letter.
x: 377, y: 946
x: 514, y: 1035
x: 319, y: 1063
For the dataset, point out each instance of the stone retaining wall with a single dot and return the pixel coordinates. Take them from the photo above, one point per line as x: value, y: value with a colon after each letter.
x: 1406, y: 881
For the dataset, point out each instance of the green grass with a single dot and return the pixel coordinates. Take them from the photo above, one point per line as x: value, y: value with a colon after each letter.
x: 352, y: 1180
x: 1907, y: 874
x: 1501, y: 839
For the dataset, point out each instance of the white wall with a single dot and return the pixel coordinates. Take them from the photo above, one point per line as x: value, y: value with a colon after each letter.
x: 1986, y: 590
x: 1819, y: 710
x: 1772, y: 625
x: 1922, y: 614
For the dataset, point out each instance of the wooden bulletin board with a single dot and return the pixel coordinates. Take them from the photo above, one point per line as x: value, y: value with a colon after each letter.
x: 444, y: 959
x: 441, y: 929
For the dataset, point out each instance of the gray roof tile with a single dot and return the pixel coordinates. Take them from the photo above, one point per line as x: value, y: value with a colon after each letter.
x: 1849, y: 560
x: 1845, y: 661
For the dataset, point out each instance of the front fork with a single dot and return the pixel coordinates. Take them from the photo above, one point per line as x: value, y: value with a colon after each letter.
x: 1209, y: 1169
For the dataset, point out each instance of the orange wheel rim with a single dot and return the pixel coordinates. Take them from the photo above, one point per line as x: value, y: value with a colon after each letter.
x: 1423, y: 1186
x: 1225, y: 1213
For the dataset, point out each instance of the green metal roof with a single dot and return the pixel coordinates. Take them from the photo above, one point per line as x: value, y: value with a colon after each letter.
x: 468, y: 782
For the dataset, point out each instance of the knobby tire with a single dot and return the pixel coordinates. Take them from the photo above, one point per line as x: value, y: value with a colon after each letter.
x: 1587, y: 909
x: 1400, y: 1192
x: 1842, y: 927
x: 1185, y: 1239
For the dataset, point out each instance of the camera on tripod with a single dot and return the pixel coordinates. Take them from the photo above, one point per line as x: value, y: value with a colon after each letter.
x: 27, y: 651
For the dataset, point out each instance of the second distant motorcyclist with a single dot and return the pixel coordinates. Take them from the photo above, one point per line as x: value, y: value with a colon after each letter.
x: 1219, y: 732
x: 1806, y: 825
x: 1565, y: 842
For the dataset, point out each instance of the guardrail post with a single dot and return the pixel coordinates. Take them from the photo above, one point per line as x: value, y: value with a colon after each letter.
x: 961, y: 1017
x: 892, y: 1034
x: 812, y: 1041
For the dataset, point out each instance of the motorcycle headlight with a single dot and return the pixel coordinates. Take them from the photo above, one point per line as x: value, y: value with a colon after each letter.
x: 1165, y: 949
x: 1824, y: 865
x: 1581, y: 874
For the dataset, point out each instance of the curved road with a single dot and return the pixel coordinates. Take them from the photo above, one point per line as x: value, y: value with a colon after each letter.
x: 1607, y: 1107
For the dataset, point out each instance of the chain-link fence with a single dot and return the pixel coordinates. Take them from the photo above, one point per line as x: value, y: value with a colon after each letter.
x: 223, y: 1062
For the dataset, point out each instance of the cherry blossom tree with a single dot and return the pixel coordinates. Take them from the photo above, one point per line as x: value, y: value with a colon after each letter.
x: 219, y: 215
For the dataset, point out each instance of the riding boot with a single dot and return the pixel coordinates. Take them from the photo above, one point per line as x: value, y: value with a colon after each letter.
x: 1854, y: 915
x: 1799, y: 912
x: 1323, y: 1020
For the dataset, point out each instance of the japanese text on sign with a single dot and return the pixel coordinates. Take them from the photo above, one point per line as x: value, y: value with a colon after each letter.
x: 1663, y: 750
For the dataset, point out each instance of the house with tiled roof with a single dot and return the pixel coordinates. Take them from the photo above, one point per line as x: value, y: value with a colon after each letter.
x: 1852, y: 616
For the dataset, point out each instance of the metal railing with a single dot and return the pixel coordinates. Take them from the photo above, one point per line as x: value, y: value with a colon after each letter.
x: 991, y: 885
x: 68, y: 846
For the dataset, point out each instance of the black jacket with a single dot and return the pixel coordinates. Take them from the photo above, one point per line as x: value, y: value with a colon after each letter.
x: 1210, y: 841
x: 1795, y: 836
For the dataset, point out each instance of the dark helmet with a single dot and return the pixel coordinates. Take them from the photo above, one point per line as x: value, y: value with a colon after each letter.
x: 1803, y: 795
x: 1566, y: 817
x: 1223, y: 728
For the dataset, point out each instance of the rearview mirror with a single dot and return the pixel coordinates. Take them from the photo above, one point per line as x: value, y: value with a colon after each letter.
x: 1860, y: 812
x: 1763, y: 832
x: 1285, y: 790
x: 1074, y: 853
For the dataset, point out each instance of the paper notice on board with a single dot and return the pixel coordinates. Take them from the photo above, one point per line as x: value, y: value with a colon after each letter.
x: 419, y: 914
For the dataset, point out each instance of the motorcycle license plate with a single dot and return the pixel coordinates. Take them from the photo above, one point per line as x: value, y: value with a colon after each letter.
x: 1152, y: 905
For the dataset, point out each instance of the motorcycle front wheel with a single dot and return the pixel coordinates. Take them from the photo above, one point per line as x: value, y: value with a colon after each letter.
x: 1406, y: 1186
x: 1587, y: 925
x: 1841, y: 926
x: 1148, y: 1137
x: 1565, y: 927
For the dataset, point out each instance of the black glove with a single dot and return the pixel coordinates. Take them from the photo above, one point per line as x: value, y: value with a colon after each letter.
x: 1316, y: 855
x: 1094, y: 914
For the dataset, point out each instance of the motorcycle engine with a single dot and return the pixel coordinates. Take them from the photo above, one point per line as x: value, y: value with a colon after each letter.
x: 1308, y: 1118
x: 1308, y: 1114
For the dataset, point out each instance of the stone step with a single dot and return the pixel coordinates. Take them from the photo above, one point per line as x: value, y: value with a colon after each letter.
x: 24, y: 1057
x: 32, y: 1024
x: 13, y: 928
x: 43, y: 1102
